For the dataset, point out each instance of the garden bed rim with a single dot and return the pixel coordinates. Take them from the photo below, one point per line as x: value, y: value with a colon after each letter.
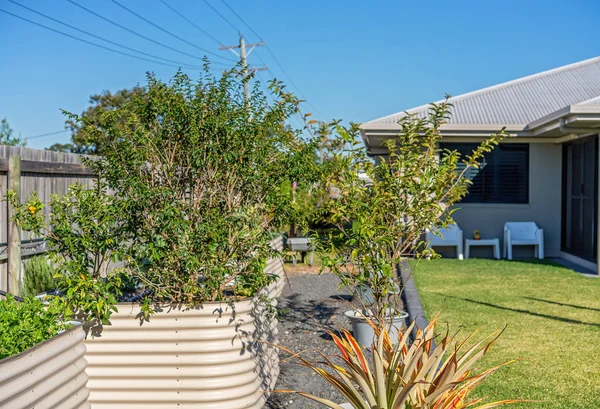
x: 76, y: 325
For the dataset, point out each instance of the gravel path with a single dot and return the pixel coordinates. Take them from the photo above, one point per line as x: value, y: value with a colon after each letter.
x: 313, y: 304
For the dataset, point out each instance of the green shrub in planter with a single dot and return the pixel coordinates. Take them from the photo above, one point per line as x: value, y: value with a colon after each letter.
x: 38, y: 276
x: 192, y: 170
x: 27, y: 323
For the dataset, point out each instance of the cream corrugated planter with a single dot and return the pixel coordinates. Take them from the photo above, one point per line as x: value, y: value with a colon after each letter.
x: 49, y: 375
x: 206, y: 357
x: 181, y: 358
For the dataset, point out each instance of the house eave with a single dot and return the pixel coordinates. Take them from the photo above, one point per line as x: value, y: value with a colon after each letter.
x: 565, y: 124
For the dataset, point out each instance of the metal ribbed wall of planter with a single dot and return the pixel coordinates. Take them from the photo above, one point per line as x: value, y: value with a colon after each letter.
x: 180, y: 358
x: 208, y: 357
x: 49, y: 375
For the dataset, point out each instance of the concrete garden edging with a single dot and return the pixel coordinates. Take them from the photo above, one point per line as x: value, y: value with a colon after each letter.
x: 410, y: 297
x: 49, y: 375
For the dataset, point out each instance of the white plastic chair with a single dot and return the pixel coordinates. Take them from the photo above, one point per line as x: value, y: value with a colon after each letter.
x: 523, y: 234
x: 451, y: 236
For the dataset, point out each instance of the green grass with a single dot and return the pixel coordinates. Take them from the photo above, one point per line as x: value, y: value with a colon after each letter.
x: 552, y: 319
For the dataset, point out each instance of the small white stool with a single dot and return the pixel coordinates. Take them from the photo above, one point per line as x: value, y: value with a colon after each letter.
x: 483, y: 242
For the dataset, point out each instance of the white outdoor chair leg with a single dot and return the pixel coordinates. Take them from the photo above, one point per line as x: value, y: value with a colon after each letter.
x: 540, y: 237
x: 294, y: 259
x: 310, y: 258
x: 509, y: 251
x: 459, y: 247
x: 496, y: 251
x: 467, y: 248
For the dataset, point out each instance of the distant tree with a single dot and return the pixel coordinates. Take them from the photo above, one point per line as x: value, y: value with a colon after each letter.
x: 62, y: 147
x: 94, y: 116
x: 7, y: 137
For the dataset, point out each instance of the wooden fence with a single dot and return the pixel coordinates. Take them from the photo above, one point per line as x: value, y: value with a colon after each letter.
x: 27, y: 170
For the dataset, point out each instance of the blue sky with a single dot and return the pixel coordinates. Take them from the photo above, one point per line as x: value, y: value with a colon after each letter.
x: 354, y: 60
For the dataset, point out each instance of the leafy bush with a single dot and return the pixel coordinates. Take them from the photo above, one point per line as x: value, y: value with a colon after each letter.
x: 381, y: 221
x: 84, y: 236
x: 26, y: 324
x: 193, y: 168
x: 38, y: 276
x: 417, y: 375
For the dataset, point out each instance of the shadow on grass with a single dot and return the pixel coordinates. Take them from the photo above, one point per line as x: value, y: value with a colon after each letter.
x: 579, y: 307
x: 521, y: 311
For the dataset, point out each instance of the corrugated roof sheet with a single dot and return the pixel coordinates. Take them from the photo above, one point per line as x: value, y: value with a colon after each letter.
x: 523, y: 100
x: 593, y: 101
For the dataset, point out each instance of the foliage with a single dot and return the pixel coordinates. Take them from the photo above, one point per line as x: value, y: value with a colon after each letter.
x: 381, y: 221
x: 83, y: 235
x: 7, y: 135
x: 26, y: 324
x: 92, y: 143
x: 63, y: 147
x: 305, y: 203
x: 417, y: 375
x: 193, y: 167
x: 38, y: 276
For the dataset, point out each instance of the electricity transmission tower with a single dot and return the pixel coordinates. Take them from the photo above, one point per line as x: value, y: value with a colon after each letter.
x: 243, y: 56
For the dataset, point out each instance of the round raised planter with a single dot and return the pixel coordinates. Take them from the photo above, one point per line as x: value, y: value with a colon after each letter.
x: 49, y: 375
x: 364, y: 333
x: 202, y: 357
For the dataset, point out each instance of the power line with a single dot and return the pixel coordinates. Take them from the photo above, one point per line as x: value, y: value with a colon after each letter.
x: 86, y: 41
x: 241, y: 19
x: 104, y: 39
x: 47, y: 134
x: 221, y: 15
x: 269, y: 51
x: 189, y: 21
x: 136, y: 33
x: 168, y: 32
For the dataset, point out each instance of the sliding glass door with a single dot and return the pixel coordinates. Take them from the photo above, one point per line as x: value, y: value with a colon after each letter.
x: 580, y: 198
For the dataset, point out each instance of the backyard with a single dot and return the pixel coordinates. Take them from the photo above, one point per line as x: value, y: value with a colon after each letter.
x: 552, y: 319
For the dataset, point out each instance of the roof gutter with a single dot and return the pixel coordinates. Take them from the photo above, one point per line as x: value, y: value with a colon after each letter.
x: 568, y: 129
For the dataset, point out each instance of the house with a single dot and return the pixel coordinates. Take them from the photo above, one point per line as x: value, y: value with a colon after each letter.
x: 547, y: 173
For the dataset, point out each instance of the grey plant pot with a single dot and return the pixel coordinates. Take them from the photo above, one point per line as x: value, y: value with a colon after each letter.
x: 364, y: 334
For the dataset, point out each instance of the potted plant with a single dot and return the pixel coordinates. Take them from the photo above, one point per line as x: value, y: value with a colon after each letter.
x: 380, y: 210
x: 41, y: 356
x: 187, y: 184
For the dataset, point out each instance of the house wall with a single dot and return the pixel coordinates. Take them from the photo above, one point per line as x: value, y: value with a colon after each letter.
x: 544, y: 208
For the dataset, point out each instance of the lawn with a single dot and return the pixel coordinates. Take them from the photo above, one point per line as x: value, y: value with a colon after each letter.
x: 552, y: 319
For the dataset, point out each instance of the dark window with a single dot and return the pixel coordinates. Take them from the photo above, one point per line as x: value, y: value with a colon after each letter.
x: 503, y: 176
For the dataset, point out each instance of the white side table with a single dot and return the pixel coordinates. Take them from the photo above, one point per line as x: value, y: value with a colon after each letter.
x: 483, y: 242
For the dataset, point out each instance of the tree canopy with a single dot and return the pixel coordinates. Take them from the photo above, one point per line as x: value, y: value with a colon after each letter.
x: 7, y: 136
x: 95, y: 116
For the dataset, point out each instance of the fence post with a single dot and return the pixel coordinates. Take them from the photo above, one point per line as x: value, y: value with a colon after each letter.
x: 14, y: 231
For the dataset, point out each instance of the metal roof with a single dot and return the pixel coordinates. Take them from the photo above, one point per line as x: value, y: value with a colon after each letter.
x: 520, y: 101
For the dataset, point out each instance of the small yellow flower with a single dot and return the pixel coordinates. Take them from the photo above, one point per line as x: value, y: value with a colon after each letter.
x: 82, y: 277
x: 32, y: 209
